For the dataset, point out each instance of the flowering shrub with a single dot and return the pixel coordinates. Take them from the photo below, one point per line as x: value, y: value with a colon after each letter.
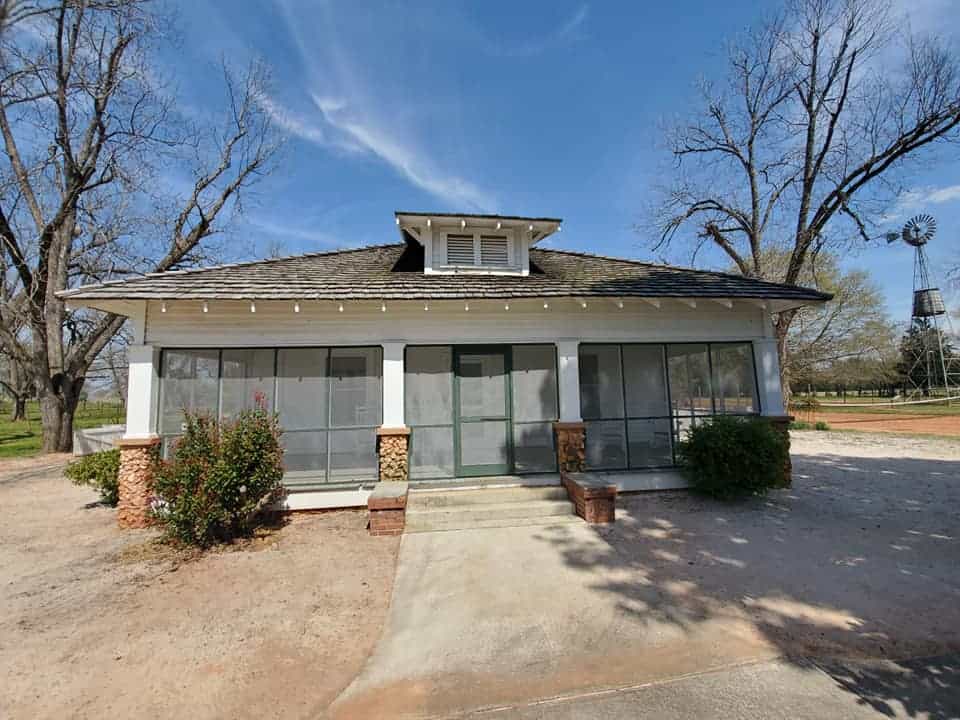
x: 222, y: 478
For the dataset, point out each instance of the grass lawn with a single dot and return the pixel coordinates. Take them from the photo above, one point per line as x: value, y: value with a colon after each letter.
x: 22, y: 438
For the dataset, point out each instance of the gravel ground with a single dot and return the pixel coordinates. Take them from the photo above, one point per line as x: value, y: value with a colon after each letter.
x: 858, y: 562
x: 102, y: 623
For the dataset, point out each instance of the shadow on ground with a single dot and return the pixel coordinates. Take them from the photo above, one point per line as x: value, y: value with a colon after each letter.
x: 859, y: 560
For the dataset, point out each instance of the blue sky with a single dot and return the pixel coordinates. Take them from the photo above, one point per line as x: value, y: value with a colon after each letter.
x: 540, y: 108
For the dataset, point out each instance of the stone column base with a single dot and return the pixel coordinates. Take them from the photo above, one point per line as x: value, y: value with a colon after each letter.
x: 135, y: 481
x: 392, y: 451
x: 781, y: 423
x: 571, y: 446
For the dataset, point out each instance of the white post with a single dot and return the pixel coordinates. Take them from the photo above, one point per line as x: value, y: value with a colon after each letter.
x: 768, y: 376
x: 143, y: 392
x: 393, y: 414
x: 568, y: 369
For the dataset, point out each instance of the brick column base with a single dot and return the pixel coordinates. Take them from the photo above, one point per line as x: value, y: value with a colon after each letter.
x: 387, y: 508
x: 571, y: 446
x: 135, y: 482
x: 781, y: 423
x: 393, y: 457
x: 594, y: 502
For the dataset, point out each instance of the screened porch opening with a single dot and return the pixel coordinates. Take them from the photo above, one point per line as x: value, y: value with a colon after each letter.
x: 328, y: 400
x: 638, y: 400
x: 480, y: 410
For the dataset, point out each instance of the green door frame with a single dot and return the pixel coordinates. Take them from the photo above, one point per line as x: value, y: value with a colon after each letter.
x: 494, y: 469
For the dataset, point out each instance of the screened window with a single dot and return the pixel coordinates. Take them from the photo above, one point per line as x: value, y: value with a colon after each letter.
x: 190, y: 382
x: 637, y: 400
x: 494, y: 250
x: 533, y: 378
x: 328, y: 402
x: 428, y: 392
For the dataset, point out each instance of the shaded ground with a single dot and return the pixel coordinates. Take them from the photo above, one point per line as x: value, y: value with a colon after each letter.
x: 97, y: 623
x: 859, y: 560
x: 784, y: 689
x: 921, y: 424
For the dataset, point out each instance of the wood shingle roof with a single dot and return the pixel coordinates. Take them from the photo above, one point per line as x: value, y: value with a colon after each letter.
x: 395, y: 272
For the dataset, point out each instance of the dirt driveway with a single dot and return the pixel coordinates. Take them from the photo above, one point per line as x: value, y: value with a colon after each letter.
x: 919, y: 424
x: 858, y: 560
x: 96, y: 624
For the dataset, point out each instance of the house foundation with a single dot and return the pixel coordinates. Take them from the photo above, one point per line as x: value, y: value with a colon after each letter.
x: 135, y: 481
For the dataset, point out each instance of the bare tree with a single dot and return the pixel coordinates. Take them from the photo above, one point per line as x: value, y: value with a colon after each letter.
x: 803, y: 143
x: 91, y: 132
x: 852, y: 327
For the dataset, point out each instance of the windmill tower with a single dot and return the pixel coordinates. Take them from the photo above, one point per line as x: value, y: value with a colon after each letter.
x: 932, y: 364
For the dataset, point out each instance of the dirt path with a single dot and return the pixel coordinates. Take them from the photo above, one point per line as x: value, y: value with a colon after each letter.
x: 944, y: 425
x: 96, y: 623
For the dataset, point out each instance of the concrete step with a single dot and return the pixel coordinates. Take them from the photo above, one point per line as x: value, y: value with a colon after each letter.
x: 425, y: 522
x: 486, y: 511
x: 484, y: 496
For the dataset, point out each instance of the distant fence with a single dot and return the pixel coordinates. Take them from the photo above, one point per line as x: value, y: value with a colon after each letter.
x: 91, y: 440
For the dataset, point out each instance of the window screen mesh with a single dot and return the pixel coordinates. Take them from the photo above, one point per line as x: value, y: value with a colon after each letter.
x: 247, y: 375
x: 634, y: 423
x: 328, y: 401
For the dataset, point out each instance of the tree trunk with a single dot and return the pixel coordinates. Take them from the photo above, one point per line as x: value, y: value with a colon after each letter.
x: 58, y: 403
x: 19, y: 408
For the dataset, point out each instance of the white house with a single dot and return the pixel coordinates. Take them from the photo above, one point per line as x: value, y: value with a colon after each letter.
x: 462, y: 350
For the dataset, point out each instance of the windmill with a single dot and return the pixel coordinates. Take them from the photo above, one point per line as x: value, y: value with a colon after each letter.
x: 932, y: 363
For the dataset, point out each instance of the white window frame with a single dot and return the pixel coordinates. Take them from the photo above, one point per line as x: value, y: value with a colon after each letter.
x: 478, y: 266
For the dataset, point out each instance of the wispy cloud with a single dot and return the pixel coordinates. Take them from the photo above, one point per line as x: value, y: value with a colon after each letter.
x: 284, y: 231
x: 911, y: 201
x: 409, y: 161
x: 544, y: 41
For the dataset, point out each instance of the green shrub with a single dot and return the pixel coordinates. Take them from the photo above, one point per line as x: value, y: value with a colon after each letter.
x: 800, y: 425
x: 222, y: 478
x: 729, y: 456
x: 101, y: 471
x: 820, y: 425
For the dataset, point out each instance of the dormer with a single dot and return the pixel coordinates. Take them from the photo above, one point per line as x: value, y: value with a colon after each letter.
x: 476, y: 244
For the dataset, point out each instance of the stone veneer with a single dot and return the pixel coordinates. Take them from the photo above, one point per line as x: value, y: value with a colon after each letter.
x: 571, y: 447
x: 392, y: 451
x: 781, y: 423
x: 134, y: 480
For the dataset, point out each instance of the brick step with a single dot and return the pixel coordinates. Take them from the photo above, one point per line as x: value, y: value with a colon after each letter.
x: 484, y: 496
x: 425, y: 523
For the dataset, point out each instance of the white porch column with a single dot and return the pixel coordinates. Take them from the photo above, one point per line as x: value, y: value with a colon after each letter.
x: 393, y: 412
x: 768, y: 376
x: 143, y: 392
x: 568, y: 370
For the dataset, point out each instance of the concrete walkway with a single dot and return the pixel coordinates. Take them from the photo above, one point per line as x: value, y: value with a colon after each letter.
x: 859, y: 560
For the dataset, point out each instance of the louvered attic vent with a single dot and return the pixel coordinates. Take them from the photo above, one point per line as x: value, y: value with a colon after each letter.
x: 460, y: 250
x: 493, y: 250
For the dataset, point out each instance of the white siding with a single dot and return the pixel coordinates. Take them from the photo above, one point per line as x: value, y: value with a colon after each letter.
x: 231, y: 324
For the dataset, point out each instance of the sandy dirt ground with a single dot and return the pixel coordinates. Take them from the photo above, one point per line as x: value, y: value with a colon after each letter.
x: 103, y: 623
x: 944, y: 425
x: 857, y: 561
